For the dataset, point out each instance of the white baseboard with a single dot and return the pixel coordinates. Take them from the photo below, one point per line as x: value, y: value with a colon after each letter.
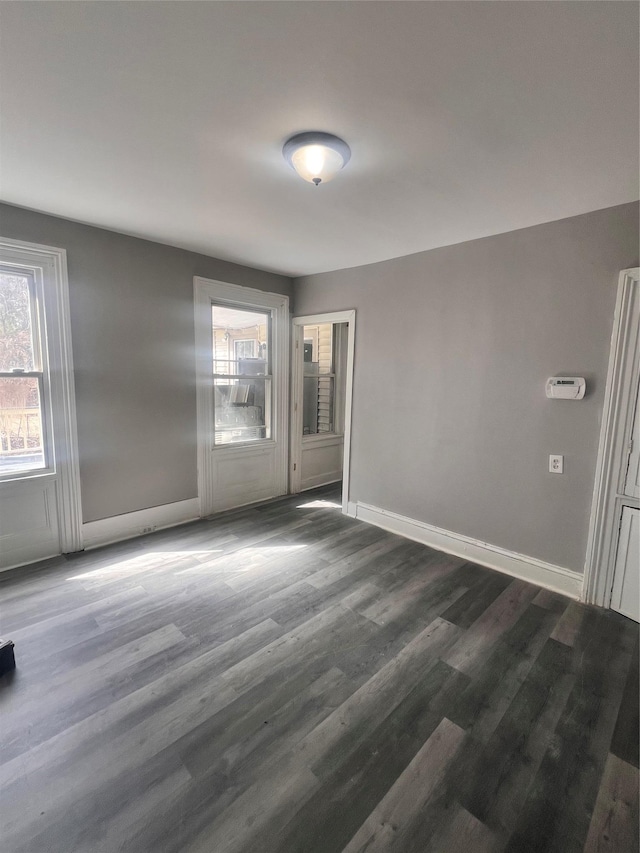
x: 525, y: 568
x: 130, y: 524
x: 352, y: 509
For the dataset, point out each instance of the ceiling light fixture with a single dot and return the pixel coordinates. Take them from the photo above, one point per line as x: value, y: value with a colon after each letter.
x: 316, y: 156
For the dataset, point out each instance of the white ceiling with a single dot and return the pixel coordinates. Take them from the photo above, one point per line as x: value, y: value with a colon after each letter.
x: 166, y: 120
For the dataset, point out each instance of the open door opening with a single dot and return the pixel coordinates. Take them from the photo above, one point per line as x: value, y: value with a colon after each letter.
x: 322, y: 381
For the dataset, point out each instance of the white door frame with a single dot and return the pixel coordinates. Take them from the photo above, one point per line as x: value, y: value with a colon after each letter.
x: 51, y: 265
x: 614, y: 446
x: 206, y: 292
x: 348, y: 317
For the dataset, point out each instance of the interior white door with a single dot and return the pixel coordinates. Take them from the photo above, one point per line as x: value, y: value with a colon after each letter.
x: 242, y: 347
x: 625, y: 596
x: 616, y: 483
x: 632, y: 478
x: 40, y: 512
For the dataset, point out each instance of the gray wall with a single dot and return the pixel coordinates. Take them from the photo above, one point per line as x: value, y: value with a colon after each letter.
x: 451, y: 425
x: 133, y: 346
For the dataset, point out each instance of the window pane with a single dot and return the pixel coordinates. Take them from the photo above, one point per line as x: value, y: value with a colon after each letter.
x: 317, y: 404
x: 240, y: 341
x: 318, y: 349
x: 16, y: 344
x: 318, y: 382
x: 242, y: 410
x: 245, y: 349
x: 21, y: 445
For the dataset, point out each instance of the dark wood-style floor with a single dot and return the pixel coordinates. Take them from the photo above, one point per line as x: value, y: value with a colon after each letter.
x: 287, y: 679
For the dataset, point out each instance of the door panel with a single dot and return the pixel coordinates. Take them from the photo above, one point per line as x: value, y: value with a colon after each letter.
x: 243, y: 476
x: 28, y: 521
x: 321, y: 461
x: 625, y: 597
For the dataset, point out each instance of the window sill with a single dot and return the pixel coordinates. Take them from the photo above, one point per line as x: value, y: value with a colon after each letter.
x: 27, y: 476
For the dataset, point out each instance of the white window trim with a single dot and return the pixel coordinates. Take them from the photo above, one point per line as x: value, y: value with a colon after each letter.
x: 50, y: 264
x: 207, y: 292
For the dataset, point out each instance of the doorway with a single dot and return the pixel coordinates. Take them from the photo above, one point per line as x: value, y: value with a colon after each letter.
x: 322, y: 383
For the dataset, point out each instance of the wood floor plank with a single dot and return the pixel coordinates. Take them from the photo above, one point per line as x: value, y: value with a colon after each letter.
x: 616, y: 811
x: 35, y: 631
x: 285, y: 679
x: 499, y: 675
x: 384, y: 829
x: 204, y: 745
x: 73, y: 697
x: 568, y: 627
x: 551, y: 601
x: 372, y: 559
x: 504, y: 767
x: 342, y: 732
x: 353, y: 783
x: 625, y: 743
x: 469, y: 607
x: 397, y: 601
x: 463, y: 832
x: 557, y: 813
x: 95, y: 733
x: 501, y: 614
x: 135, y: 797
x: 234, y: 771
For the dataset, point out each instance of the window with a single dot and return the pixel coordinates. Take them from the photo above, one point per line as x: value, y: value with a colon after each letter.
x: 22, y: 376
x: 244, y: 349
x: 318, y: 380
x: 241, y: 375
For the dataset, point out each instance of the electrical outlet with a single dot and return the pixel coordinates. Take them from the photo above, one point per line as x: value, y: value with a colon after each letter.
x: 556, y: 464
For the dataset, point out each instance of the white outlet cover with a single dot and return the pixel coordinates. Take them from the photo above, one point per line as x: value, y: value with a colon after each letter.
x: 556, y: 464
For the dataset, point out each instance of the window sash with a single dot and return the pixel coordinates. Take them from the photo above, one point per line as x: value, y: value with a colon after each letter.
x: 235, y: 423
x: 266, y: 313
x: 41, y: 411
x: 235, y: 431
x: 40, y: 372
x: 35, y: 310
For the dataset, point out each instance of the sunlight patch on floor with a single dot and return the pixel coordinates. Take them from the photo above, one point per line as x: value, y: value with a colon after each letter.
x: 271, y: 549
x: 142, y: 563
x: 263, y: 555
x: 243, y: 560
x: 320, y: 505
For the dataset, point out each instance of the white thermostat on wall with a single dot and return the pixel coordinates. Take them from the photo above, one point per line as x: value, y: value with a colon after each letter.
x: 566, y: 387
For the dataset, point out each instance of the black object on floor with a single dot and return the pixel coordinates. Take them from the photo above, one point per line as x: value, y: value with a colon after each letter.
x: 7, y: 658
